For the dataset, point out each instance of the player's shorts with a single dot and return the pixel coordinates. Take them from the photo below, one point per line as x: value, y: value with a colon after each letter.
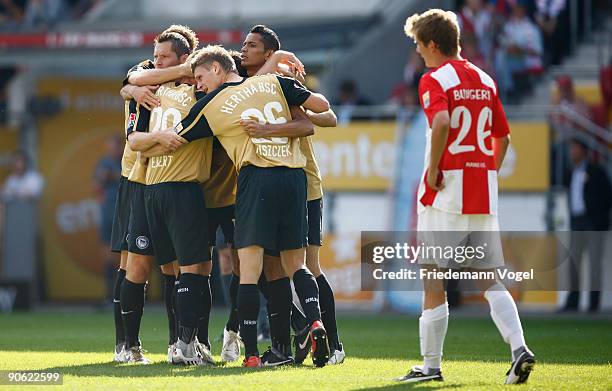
x: 121, y: 217
x: 439, y: 231
x: 178, y: 222
x: 315, y: 224
x: 139, y: 237
x: 271, y: 208
x: 221, y: 217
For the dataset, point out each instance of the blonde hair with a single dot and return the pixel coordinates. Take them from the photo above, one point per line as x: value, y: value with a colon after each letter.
x: 211, y: 53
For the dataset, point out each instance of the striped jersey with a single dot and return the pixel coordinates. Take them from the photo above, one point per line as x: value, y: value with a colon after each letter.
x: 470, y: 97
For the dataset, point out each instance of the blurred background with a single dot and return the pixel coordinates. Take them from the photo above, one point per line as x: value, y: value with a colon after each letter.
x: 61, y: 127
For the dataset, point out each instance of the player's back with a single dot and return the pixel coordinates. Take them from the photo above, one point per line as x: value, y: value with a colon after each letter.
x: 260, y: 98
x: 476, y: 115
x: 190, y: 162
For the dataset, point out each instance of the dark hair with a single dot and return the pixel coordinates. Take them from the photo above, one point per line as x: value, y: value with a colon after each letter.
x: 268, y: 36
x: 238, y: 61
x: 437, y: 26
x: 189, y: 34
x: 211, y: 53
x: 180, y: 44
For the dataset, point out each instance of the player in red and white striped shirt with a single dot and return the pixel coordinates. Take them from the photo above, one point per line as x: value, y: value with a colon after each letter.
x: 467, y: 138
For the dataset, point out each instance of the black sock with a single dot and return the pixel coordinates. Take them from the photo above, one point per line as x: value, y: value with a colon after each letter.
x: 189, y: 298
x: 248, y: 310
x: 132, y: 305
x: 205, y: 315
x: 262, y: 285
x: 226, y: 280
x: 279, y: 312
x: 177, y: 313
x: 119, y: 330
x: 298, y: 320
x: 308, y: 292
x: 232, y: 322
x: 328, y: 311
x: 168, y: 292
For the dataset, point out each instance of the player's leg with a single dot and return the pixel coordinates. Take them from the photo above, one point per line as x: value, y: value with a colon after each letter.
x: 257, y: 223
x: 279, y: 299
x: 132, y: 303
x: 277, y: 285
x: 119, y: 244
x: 169, y: 282
x: 230, y: 350
x: 484, y: 229
x: 326, y: 294
x: 433, y: 324
x: 292, y: 242
x: 185, y: 214
x: 251, y: 264
x: 506, y: 318
x: 224, y: 218
x: 204, y: 320
x: 327, y: 303
x: 140, y: 261
x: 232, y: 321
x: 119, y: 355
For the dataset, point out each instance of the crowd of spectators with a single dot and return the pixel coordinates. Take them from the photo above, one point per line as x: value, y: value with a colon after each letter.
x: 512, y: 40
x: 16, y: 15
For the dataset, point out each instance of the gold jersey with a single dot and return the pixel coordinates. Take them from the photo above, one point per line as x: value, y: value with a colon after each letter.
x: 190, y: 162
x: 129, y: 156
x: 220, y: 189
x: 133, y: 115
x: 313, y: 175
x: 265, y: 98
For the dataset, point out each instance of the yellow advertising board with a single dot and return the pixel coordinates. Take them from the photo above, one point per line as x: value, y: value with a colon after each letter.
x: 70, y: 145
x: 340, y: 260
x: 361, y: 156
x: 527, y: 163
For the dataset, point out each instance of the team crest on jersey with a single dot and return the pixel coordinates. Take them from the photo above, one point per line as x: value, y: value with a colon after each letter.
x: 142, y: 242
x: 426, y: 100
x: 132, y: 120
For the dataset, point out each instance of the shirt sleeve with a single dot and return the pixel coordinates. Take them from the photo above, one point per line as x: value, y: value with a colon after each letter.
x: 433, y: 99
x: 500, y: 123
x: 195, y: 125
x: 295, y: 93
x: 146, y: 64
x: 138, y: 119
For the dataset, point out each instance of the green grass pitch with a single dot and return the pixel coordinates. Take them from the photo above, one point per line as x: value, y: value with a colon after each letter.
x: 572, y: 354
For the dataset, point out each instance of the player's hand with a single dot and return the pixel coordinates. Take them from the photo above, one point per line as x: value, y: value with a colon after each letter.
x: 254, y: 128
x: 434, y: 179
x: 291, y: 71
x: 145, y: 96
x: 169, y: 140
x: 286, y: 57
x: 186, y: 67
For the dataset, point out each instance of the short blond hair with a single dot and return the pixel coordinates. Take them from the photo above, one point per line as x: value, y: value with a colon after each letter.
x: 211, y: 53
x: 435, y: 25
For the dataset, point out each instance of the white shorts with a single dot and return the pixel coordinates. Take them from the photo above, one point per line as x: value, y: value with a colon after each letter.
x: 454, y: 233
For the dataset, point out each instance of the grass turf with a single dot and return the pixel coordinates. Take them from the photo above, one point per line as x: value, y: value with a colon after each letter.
x: 572, y: 354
